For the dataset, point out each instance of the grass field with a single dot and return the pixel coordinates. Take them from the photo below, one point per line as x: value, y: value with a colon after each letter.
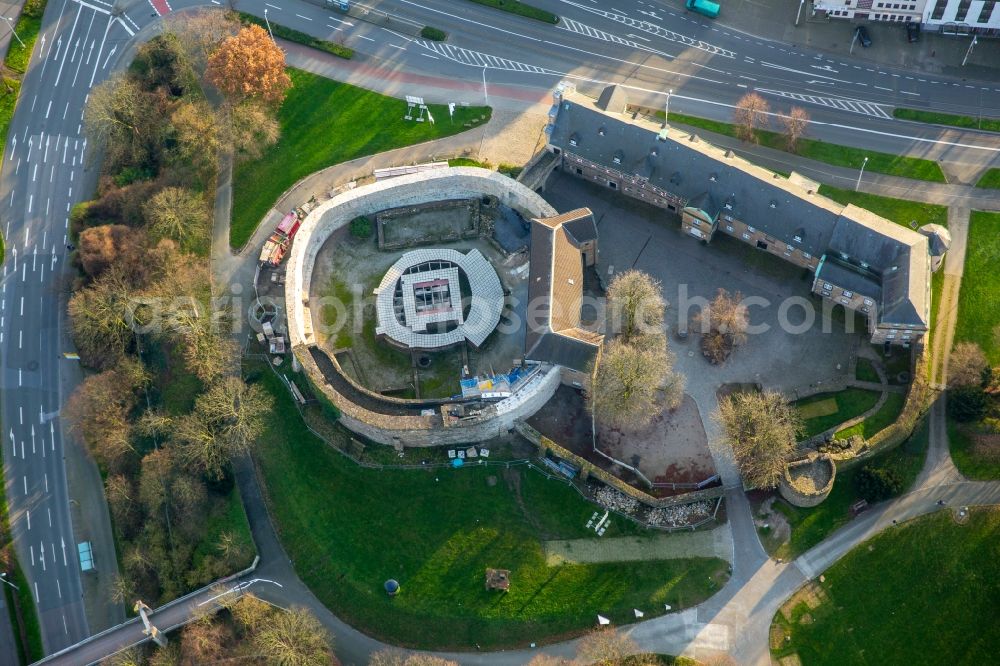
x: 881, y: 419
x: 818, y: 417
x: 990, y: 179
x: 830, y: 153
x: 810, y: 526
x: 988, y: 124
x: 349, y: 529
x: 978, y: 314
x: 925, y: 593
x: 907, y: 213
x: 324, y: 122
x: 970, y: 462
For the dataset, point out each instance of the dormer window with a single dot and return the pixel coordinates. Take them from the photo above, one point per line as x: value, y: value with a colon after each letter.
x: 617, y: 160
x: 797, y: 239
x: 729, y: 205
x: 845, y: 256
x: 654, y: 152
x: 601, y: 131
x: 574, y: 139
x: 773, y: 204
x: 618, y: 156
x: 714, y: 177
x: 864, y: 264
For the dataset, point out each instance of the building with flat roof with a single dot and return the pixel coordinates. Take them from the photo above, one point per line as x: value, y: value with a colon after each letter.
x: 858, y: 259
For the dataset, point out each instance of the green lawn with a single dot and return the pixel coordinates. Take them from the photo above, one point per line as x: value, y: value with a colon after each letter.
x: 324, y: 122
x: 865, y: 372
x: 850, y: 403
x: 969, y: 462
x: 349, y: 529
x: 990, y: 179
x: 988, y: 124
x: 922, y: 593
x: 830, y: 153
x: 899, y: 211
x: 978, y: 314
x: 810, y: 526
x: 883, y: 418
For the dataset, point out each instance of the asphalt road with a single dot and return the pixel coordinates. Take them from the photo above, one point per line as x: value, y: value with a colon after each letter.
x: 648, y: 47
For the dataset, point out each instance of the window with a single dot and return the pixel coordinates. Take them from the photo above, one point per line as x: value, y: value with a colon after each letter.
x: 868, y: 301
x: 612, y: 184
x: 746, y: 236
x: 848, y: 294
x: 572, y: 142
x: 939, y: 8
x: 750, y: 229
x: 617, y: 160
x: 729, y: 228
x: 827, y: 286
x: 986, y: 12
x: 695, y: 221
x: 845, y: 301
x: 797, y: 239
x: 807, y: 255
x: 962, y: 11
x: 790, y: 248
x: 866, y: 310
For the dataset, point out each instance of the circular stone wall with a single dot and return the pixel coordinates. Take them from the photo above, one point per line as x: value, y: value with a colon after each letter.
x: 422, y: 290
x: 412, y: 189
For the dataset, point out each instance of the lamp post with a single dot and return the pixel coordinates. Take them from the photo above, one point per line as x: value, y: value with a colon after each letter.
x: 862, y: 172
x: 268, y: 26
x: 3, y: 577
x: 798, y: 15
x: 14, y: 32
x: 486, y: 95
x: 969, y: 52
x: 853, y: 42
x: 666, y: 109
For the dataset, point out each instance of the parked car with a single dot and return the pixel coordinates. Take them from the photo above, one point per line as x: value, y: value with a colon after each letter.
x: 912, y: 32
x: 863, y: 36
x: 703, y: 7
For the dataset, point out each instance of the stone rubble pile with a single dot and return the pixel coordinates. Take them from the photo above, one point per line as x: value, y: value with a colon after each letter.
x: 677, y: 516
x: 616, y: 500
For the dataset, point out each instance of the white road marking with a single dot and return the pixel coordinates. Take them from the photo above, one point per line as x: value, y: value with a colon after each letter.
x: 304, y: 17
x: 48, y: 509
x: 363, y: 37
x: 58, y: 588
x: 36, y: 592
x: 27, y: 514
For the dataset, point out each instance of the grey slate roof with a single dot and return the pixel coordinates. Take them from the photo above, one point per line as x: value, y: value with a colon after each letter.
x: 707, y: 177
x: 555, y: 288
x: 846, y: 278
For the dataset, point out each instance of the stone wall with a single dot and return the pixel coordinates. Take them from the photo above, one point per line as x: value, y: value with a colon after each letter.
x: 800, y: 494
x: 409, y: 190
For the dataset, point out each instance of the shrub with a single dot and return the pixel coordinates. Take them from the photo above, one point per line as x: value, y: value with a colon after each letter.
x: 433, y: 34
x: 133, y: 174
x: 284, y: 32
x: 878, y: 483
x: 361, y: 227
x: 967, y: 403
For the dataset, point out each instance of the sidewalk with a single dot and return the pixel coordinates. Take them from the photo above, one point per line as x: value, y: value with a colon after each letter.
x: 946, y: 194
x: 934, y: 53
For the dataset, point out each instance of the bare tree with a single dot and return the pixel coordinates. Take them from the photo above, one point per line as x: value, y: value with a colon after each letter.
x: 105, y: 245
x: 293, y: 638
x: 249, y: 129
x: 124, y: 120
x: 762, y: 430
x: 204, y: 641
x: 724, y: 325
x: 548, y: 660
x: 122, y: 590
x: 103, y: 316
x: 250, y: 612
x: 177, y: 213
x: 605, y: 647
x: 128, y: 657
x: 749, y: 115
x: 628, y: 381
x: 967, y: 366
x: 98, y: 410
x: 198, y: 141
x: 795, y: 124
x: 636, y: 305
x: 226, y: 420
x: 197, y: 34
x: 395, y: 657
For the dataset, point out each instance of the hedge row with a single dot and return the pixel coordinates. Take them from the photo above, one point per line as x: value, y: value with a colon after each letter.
x: 521, y: 9
x: 298, y: 37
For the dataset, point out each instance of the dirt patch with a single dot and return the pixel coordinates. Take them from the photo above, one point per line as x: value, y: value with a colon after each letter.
x: 772, y: 524
x: 810, y: 594
x: 777, y: 636
x: 790, y: 660
x: 671, y: 448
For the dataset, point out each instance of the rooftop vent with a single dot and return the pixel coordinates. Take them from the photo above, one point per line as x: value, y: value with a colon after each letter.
x: 773, y: 204
x: 713, y: 177
x: 654, y: 152
x: 601, y: 131
x: 730, y: 153
x: 693, y: 138
x: 574, y: 139
x: 675, y: 178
